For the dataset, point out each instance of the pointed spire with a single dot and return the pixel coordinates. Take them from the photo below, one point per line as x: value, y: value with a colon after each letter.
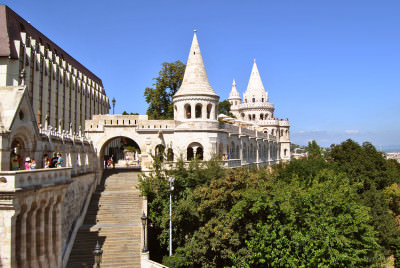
x: 195, y: 80
x: 255, y: 83
x: 234, y: 93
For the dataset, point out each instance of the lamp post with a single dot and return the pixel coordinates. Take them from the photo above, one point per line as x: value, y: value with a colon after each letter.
x: 171, y: 188
x: 113, y: 103
x: 144, y: 220
x: 97, y: 252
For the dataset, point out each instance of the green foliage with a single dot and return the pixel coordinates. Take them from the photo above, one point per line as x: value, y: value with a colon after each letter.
x: 126, y: 113
x: 224, y: 107
x: 167, y: 84
x: 310, y: 212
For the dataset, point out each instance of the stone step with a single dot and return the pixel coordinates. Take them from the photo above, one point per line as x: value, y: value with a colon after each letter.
x: 113, y: 218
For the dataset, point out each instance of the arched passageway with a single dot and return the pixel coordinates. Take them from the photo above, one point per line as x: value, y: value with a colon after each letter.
x: 120, y: 151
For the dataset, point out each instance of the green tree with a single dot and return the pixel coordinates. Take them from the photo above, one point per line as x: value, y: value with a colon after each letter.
x: 166, y: 85
x: 126, y: 113
x: 224, y: 107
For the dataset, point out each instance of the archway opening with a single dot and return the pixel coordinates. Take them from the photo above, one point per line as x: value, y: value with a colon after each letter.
x: 198, y: 110
x: 121, y: 152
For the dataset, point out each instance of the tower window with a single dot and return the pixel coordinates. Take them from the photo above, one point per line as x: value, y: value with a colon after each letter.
x: 254, y: 99
x: 262, y: 99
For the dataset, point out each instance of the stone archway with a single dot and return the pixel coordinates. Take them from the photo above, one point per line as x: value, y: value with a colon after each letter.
x: 121, y: 149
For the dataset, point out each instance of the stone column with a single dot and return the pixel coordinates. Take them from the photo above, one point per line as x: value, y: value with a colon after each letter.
x: 40, y: 242
x: 204, y: 111
x: 193, y: 111
x: 269, y: 152
x: 22, y: 250
x: 31, y: 237
x: 56, y: 223
x: 48, y: 239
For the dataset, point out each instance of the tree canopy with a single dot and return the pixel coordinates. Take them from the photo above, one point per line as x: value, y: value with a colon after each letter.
x: 166, y: 85
x: 338, y: 210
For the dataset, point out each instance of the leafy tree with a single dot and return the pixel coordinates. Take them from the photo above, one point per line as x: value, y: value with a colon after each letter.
x: 224, y: 107
x: 166, y: 85
x: 126, y: 113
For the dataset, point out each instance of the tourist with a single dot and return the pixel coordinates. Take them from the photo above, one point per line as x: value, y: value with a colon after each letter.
x: 27, y: 163
x: 60, y: 161
x: 15, y: 162
x: 54, y: 161
x: 46, y: 162
x: 32, y: 165
x: 113, y: 160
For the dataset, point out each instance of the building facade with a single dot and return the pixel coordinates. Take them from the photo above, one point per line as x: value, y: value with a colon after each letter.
x: 62, y: 92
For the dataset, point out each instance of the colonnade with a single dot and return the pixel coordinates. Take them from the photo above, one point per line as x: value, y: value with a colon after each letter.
x: 37, y: 229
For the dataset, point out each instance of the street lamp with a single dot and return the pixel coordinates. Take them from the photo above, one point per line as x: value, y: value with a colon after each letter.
x: 113, y: 103
x: 171, y: 188
x: 97, y: 252
x: 144, y: 220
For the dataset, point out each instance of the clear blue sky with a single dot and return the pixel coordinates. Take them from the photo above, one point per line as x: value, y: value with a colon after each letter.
x: 332, y: 67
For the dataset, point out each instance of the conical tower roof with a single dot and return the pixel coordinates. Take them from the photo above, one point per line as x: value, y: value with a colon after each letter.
x: 255, y: 84
x: 195, y: 80
x: 234, y: 93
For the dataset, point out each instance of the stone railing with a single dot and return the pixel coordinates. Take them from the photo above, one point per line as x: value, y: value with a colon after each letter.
x: 262, y: 135
x: 248, y: 132
x: 28, y: 179
x: 283, y: 123
x: 252, y: 105
x: 232, y: 163
x: 268, y: 122
x: 230, y: 128
x: 156, y: 124
x: 51, y: 132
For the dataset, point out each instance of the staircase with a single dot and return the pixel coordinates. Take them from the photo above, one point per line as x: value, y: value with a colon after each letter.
x: 113, y: 219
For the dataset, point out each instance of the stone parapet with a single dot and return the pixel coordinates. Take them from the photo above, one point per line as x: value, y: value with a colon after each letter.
x: 256, y: 105
x: 283, y: 123
x: 28, y: 179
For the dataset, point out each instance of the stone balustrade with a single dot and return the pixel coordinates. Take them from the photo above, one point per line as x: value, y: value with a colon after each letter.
x: 252, y: 105
x: 28, y: 179
x: 283, y: 123
x: 248, y: 132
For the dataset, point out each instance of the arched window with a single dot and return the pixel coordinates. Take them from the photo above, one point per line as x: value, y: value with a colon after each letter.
x: 209, y: 111
x: 285, y: 152
x: 189, y: 153
x: 287, y: 133
x: 160, y: 152
x: 199, y: 153
x: 188, y: 111
x: 261, y: 117
x: 242, y: 115
x: 254, y: 99
x: 250, y: 117
x: 254, y: 117
x: 198, y: 110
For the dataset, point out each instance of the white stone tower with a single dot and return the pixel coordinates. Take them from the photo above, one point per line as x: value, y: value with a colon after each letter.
x: 255, y: 105
x: 235, y: 100
x: 195, y: 100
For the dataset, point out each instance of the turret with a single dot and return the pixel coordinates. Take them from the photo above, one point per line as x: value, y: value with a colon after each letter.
x: 195, y: 99
x: 234, y: 99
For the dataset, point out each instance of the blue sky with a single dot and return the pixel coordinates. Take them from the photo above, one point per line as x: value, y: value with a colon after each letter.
x: 332, y: 67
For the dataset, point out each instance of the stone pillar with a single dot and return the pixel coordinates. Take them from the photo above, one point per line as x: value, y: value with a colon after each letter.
x: 48, y: 239
x: 6, y: 238
x: 56, y: 223
x: 31, y: 237
x: 22, y: 246
x: 204, y: 111
x: 193, y: 111
x: 40, y: 242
